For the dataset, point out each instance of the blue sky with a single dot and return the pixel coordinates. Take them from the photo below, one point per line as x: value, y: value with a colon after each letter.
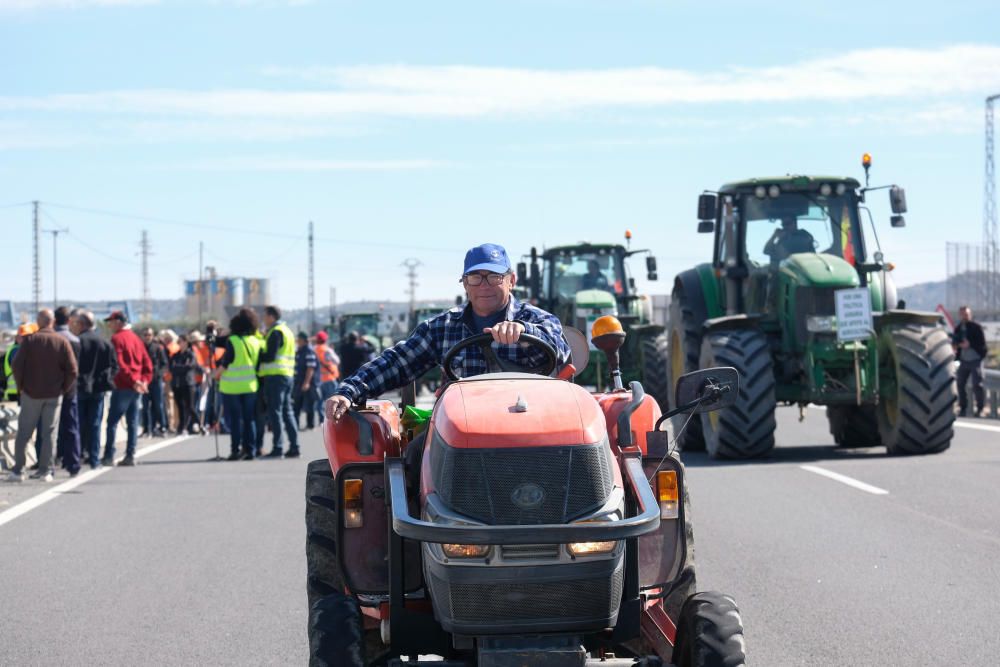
x: 418, y: 129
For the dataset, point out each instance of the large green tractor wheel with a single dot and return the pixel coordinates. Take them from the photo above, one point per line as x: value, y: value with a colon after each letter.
x: 683, y: 348
x: 918, y: 415
x: 654, y: 368
x: 854, y: 425
x: 745, y: 429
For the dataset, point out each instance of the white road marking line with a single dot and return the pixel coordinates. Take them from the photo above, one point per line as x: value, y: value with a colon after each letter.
x: 51, y: 494
x: 978, y: 427
x: 844, y: 479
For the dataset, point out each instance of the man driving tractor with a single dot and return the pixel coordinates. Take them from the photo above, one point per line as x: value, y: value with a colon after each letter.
x: 488, y: 281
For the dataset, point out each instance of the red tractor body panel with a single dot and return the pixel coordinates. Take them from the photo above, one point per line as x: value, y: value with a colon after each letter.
x: 504, y: 413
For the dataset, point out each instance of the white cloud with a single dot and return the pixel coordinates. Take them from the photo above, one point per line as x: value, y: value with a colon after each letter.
x: 463, y: 91
x: 306, y: 164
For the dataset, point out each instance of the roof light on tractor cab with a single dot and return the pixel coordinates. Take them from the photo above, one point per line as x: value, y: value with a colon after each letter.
x: 465, y: 550
x: 773, y: 191
x: 840, y: 189
x: 353, y: 516
x: 760, y: 192
x: 825, y: 189
x: 591, y: 548
x: 667, y: 494
x: 866, y: 160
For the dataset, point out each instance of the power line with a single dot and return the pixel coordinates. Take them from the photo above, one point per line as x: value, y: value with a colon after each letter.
x: 242, y: 231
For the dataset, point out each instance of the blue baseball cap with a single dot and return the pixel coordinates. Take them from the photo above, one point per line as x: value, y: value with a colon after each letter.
x: 487, y: 257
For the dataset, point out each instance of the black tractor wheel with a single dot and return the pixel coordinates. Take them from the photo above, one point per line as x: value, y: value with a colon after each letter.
x: 709, y: 633
x: 336, y: 635
x: 323, y: 575
x: 683, y: 348
x: 745, y: 429
x: 854, y: 425
x: 654, y: 369
x: 918, y: 364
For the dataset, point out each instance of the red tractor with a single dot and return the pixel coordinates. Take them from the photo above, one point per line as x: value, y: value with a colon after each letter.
x: 539, y: 525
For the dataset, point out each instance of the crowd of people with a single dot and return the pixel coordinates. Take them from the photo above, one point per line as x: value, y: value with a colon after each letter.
x: 251, y: 377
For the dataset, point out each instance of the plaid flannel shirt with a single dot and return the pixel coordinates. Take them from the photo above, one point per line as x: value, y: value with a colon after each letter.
x: 426, y: 347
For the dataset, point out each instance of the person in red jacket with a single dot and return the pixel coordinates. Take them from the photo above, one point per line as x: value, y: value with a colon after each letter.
x: 135, y: 372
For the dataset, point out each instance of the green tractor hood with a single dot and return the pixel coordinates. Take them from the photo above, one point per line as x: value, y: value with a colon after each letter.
x: 595, y: 298
x: 820, y: 270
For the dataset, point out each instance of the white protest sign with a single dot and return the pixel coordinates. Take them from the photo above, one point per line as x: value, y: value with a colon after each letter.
x: 854, y: 314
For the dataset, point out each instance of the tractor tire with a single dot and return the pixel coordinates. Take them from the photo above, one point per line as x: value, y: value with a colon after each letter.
x: 336, y: 635
x: 854, y: 425
x: 323, y: 575
x: 745, y: 429
x: 654, y: 369
x: 709, y: 633
x: 919, y: 417
x: 683, y: 348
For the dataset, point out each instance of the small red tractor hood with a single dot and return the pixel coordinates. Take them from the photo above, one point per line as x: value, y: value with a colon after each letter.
x: 518, y: 412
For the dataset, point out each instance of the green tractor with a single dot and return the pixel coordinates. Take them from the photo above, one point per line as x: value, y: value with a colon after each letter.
x: 580, y: 283
x: 366, y: 324
x: 789, y: 254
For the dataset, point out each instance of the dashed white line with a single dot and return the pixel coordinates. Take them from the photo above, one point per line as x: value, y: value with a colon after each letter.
x: 844, y: 479
x: 978, y: 427
x: 51, y: 494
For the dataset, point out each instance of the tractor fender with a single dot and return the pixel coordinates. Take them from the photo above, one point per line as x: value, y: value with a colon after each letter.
x: 893, y: 317
x: 731, y: 322
x: 700, y: 290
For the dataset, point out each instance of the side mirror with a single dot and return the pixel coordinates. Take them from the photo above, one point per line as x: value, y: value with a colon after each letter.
x: 652, y: 276
x: 715, y: 388
x: 706, y: 207
x: 631, y: 283
x: 897, y: 221
x: 522, y: 273
x: 706, y: 226
x: 897, y: 199
x: 650, y: 263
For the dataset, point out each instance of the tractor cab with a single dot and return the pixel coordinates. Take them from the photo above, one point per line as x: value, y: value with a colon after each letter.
x: 546, y: 525
x: 581, y: 283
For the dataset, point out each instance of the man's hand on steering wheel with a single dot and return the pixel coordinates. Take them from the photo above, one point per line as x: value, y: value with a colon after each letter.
x: 506, y: 332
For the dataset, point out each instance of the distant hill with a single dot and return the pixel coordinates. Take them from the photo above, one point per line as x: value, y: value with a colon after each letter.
x: 924, y: 296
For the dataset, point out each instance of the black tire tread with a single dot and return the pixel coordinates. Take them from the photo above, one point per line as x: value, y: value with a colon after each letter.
x: 710, y: 632
x: 926, y: 394
x: 654, y: 369
x: 688, y: 326
x: 746, y: 428
x: 323, y: 576
x: 854, y: 425
x: 336, y: 634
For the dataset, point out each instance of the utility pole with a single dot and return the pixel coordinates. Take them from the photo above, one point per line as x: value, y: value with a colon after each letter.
x: 333, y: 303
x: 55, y: 264
x: 144, y: 251
x: 990, y: 217
x: 201, y: 283
x: 411, y: 265
x: 312, y: 283
x: 36, y: 268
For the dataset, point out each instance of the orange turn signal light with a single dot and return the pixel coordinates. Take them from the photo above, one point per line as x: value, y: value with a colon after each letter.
x: 668, y: 494
x: 352, y: 509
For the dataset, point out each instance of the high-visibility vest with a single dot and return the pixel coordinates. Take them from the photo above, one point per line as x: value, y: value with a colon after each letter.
x: 328, y: 371
x: 240, y: 377
x: 284, y: 360
x: 11, y: 391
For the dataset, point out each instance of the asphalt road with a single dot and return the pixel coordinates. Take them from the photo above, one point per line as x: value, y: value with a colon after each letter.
x: 184, y: 562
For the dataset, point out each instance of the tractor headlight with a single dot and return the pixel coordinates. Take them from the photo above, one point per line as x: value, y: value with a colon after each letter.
x: 821, y: 324
x: 465, y: 550
x: 591, y: 548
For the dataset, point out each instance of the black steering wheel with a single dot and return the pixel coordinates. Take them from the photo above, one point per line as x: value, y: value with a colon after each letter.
x: 485, y: 343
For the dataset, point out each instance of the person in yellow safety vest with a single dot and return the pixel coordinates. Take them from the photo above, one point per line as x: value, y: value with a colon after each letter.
x: 237, y: 378
x: 329, y: 371
x: 10, y: 392
x: 276, y: 371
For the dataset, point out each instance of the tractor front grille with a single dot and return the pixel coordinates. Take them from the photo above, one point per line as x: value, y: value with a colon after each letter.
x: 812, y: 301
x: 522, y: 486
x: 521, y: 601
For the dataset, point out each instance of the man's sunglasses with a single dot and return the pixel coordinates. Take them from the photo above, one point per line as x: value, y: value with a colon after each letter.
x: 476, y: 279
